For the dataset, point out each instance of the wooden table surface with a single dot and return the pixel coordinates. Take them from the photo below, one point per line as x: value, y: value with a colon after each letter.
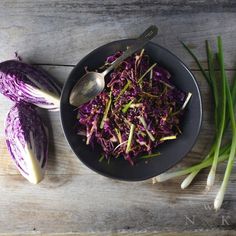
x: 73, y: 200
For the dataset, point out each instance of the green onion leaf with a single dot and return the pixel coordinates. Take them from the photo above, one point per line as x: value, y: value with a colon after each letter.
x: 213, y: 82
x: 197, y: 62
x: 220, y: 195
x: 211, y: 176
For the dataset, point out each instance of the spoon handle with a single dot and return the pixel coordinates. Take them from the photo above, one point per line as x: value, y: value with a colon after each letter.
x: 147, y: 35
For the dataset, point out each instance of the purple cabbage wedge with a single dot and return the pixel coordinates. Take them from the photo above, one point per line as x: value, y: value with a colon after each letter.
x: 27, y: 141
x: 20, y: 81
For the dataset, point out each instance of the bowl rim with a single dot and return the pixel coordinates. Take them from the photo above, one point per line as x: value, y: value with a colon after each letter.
x: 198, y: 128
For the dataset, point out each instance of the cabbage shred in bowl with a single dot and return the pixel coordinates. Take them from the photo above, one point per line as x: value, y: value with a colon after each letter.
x: 139, y: 109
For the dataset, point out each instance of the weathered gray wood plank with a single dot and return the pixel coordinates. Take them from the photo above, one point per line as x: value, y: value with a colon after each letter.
x: 206, y: 233
x: 62, y: 32
x: 104, y: 206
x: 72, y: 198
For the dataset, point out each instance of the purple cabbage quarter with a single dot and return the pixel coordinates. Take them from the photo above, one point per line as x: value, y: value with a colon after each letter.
x: 20, y: 81
x: 27, y: 141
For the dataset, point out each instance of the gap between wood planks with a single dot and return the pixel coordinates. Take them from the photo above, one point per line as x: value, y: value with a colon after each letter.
x: 70, y: 65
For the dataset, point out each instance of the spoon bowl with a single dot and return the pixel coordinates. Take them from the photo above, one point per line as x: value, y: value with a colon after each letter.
x: 90, y: 84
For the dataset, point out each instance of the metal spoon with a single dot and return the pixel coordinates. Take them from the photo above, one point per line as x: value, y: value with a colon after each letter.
x: 92, y: 83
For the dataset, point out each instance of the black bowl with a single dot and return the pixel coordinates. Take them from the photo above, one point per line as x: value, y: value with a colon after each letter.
x: 171, y: 151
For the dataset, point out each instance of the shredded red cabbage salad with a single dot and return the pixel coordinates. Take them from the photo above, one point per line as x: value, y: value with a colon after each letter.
x: 139, y: 109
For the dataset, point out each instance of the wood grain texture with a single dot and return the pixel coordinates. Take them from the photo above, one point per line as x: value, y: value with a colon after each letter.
x: 104, y: 206
x: 62, y: 32
x: 73, y: 200
x: 207, y: 233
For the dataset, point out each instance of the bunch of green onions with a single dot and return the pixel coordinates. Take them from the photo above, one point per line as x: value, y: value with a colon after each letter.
x: 224, y: 98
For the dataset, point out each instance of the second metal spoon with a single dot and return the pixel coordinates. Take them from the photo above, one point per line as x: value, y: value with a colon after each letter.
x: 92, y: 83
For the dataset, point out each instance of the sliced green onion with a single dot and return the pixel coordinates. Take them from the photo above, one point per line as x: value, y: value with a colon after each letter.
x: 141, y: 53
x: 184, y: 104
x: 123, y: 90
x: 150, y: 78
x: 118, y: 135
x: 108, y: 105
x: 127, y: 106
x: 150, y: 95
x: 150, y: 155
x: 101, y: 158
x: 132, y: 127
x: 145, y: 127
x: 186, y: 101
x: 140, y: 57
x: 146, y: 72
x: 167, y: 85
x: 120, y: 145
x: 89, y: 135
x: 168, y: 138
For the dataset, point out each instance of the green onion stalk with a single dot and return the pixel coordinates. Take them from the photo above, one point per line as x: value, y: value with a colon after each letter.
x: 212, y: 173
x: 220, y: 195
x: 212, y: 82
x: 204, y: 164
x: 212, y: 79
x: 224, y: 114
